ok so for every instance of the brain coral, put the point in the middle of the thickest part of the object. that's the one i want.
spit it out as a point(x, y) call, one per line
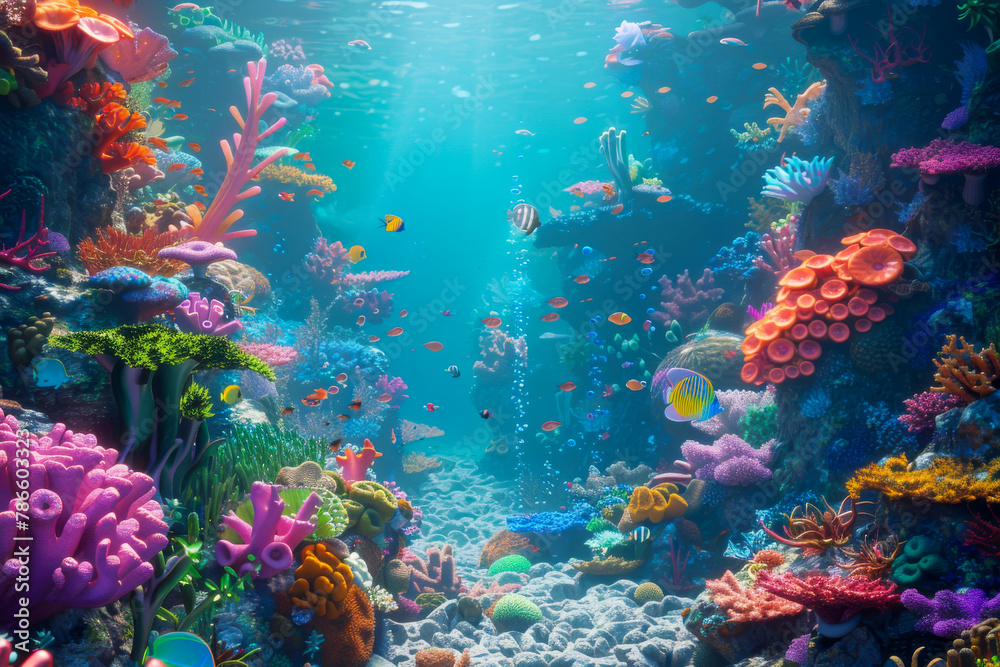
point(515, 612)
point(647, 592)
point(511, 563)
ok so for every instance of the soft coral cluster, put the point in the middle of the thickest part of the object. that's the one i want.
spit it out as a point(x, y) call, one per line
point(112, 122)
point(687, 301)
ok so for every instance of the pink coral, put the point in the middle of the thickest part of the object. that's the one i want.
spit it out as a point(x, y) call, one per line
point(686, 301)
point(833, 599)
point(270, 354)
point(201, 316)
point(93, 526)
point(748, 604)
point(587, 187)
point(366, 277)
point(327, 261)
point(26, 252)
point(394, 387)
point(356, 464)
point(735, 403)
point(778, 246)
point(923, 408)
point(140, 59)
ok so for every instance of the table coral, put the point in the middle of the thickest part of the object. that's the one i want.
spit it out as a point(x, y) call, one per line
point(94, 525)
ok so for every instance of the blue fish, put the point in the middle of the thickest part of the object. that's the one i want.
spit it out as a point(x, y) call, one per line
point(49, 373)
point(689, 396)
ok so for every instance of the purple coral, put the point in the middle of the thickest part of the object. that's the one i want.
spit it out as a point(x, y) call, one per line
point(198, 254)
point(139, 59)
point(327, 261)
point(949, 613)
point(270, 354)
point(730, 461)
point(942, 157)
point(393, 387)
point(367, 277)
point(271, 537)
point(923, 408)
point(686, 301)
point(735, 403)
point(374, 305)
point(201, 316)
point(298, 84)
point(93, 525)
point(778, 246)
point(288, 49)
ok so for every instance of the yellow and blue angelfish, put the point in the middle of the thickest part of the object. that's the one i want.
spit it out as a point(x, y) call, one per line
point(689, 396)
point(393, 223)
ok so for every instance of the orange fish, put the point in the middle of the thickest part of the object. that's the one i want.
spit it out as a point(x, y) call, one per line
point(335, 445)
point(200, 189)
point(403, 313)
point(355, 405)
point(201, 207)
point(434, 346)
point(284, 411)
point(361, 320)
point(582, 279)
point(198, 171)
point(634, 385)
point(174, 104)
point(729, 354)
point(195, 147)
point(393, 435)
point(609, 190)
point(348, 163)
point(158, 143)
point(619, 318)
point(713, 99)
point(179, 116)
point(551, 425)
point(759, 65)
point(302, 156)
point(567, 386)
point(550, 317)
point(186, 82)
point(176, 166)
point(578, 192)
point(309, 165)
point(161, 100)
point(395, 331)
point(558, 302)
point(617, 209)
point(384, 398)
point(580, 120)
point(287, 196)
point(645, 258)
point(161, 84)
point(663, 199)
point(315, 193)
point(373, 339)
point(343, 418)
point(491, 322)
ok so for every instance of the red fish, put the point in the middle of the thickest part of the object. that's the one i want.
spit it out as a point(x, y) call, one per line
point(491, 322)
point(286, 196)
point(348, 163)
point(551, 425)
point(434, 346)
point(550, 317)
point(186, 82)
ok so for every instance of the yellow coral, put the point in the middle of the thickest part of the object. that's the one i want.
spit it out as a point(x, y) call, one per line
point(293, 175)
point(610, 566)
point(659, 504)
point(945, 481)
point(416, 462)
point(321, 582)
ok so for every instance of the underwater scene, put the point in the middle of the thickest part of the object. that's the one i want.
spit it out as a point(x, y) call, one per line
point(500, 333)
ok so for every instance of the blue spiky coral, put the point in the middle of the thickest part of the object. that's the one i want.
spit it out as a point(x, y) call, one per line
point(797, 180)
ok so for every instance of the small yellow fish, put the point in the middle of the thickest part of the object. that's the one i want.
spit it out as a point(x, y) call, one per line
point(231, 395)
point(357, 253)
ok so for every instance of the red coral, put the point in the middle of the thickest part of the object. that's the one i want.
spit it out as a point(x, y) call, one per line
point(25, 252)
point(834, 599)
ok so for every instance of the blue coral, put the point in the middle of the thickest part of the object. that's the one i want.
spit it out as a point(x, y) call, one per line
point(872, 93)
point(336, 356)
point(797, 180)
point(736, 261)
point(971, 69)
point(849, 191)
point(815, 403)
point(545, 522)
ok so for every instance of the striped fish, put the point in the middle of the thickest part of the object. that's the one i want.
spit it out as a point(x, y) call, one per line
point(640, 534)
point(393, 223)
point(525, 217)
point(454, 371)
point(689, 396)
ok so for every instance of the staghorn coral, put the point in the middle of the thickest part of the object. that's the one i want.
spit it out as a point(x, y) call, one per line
point(503, 543)
point(686, 300)
point(796, 114)
point(966, 373)
point(745, 604)
point(289, 175)
point(112, 247)
point(945, 480)
point(923, 408)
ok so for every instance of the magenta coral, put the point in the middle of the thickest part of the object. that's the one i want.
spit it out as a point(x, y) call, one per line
point(923, 408)
point(221, 214)
point(778, 246)
point(327, 261)
point(950, 613)
point(366, 277)
point(356, 464)
point(26, 251)
point(140, 59)
point(92, 525)
point(686, 301)
point(271, 537)
point(730, 461)
point(942, 157)
point(199, 316)
point(833, 599)
point(270, 354)
point(899, 51)
point(394, 387)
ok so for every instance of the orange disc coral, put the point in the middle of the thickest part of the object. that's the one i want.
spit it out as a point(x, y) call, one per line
point(902, 245)
point(800, 278)
point(875, 265)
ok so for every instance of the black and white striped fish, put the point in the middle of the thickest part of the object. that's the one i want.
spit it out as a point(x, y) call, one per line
point(525, 217)
point(454, 371)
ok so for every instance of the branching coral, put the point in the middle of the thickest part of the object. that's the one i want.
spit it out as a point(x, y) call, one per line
point(796, 114)
point(113, 247)
point(417, 462)
point(965, 373)
point(833, 599)
point(923, 408)
point(687, 301)
point(945, 480)
point(748, 604)
point(949, 613)
point(26, 252)
point(814, 531)
point(730, 461)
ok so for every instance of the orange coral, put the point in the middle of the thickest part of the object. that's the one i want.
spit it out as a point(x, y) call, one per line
point(122, 155)
point(350, 639)
point(769, 558)
point(656, 505)
point(322, 582)
point(503, 544)
point(113, 247)
point(748, 604)
point(875, 265)
point(91, 97)
point(294, 176)
point(114, 122)
point(441, 657)
point(965, 373)
point(945, 480)
point(796, 114)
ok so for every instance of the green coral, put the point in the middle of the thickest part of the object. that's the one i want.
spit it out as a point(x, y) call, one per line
point(760, 424)
point(428, 602)
point(511, 563)
point(375, 496)
point(919, 562)
point(150, 346)
point(647, 592)
point(599, 523)
point(515, 612)
point(196, 403)
point(654, 182)
point(603, 542)
point(331, 518)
